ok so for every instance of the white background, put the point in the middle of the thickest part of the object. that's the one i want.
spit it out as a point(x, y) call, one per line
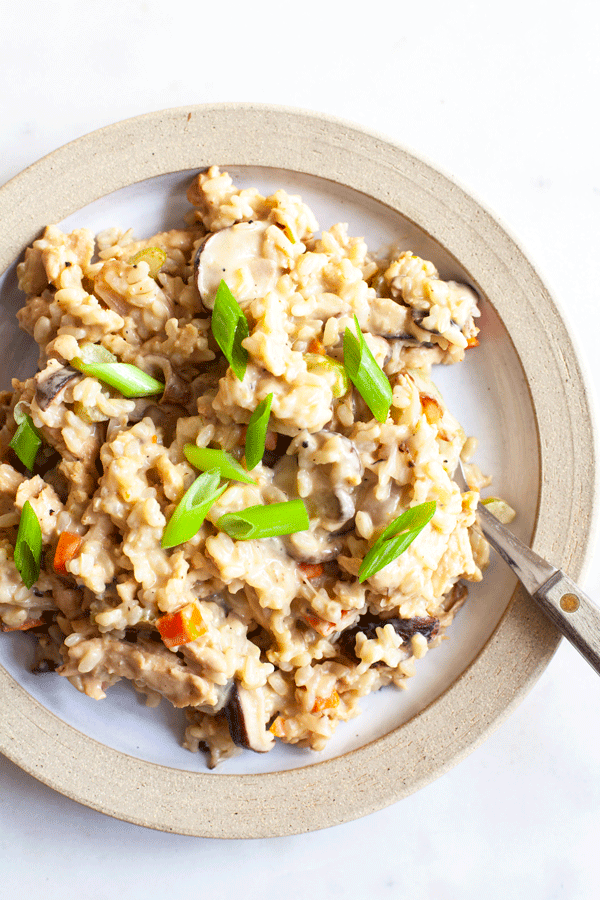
point(504, 97)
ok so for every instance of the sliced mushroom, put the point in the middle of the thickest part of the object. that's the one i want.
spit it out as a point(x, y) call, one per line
point(222, 254)
point(325, 470)
point(368, 624)
point(244, 714)
point(164, 416)
point(389, 319)
point(51, 381)
point(176, 389)
point(330, 462)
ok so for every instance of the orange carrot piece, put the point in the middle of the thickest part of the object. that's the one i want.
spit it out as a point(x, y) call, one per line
point(28, 623)
point(277, 728)
point(472, 342)
point(311, 570)
point(432, 409)
point(316, 346)
point(66, 550)
point(181, 627)
point(319, 625)
point(330, 702)
point(270, 440)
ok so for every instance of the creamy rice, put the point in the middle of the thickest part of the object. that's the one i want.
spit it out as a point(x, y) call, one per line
point(289, 639)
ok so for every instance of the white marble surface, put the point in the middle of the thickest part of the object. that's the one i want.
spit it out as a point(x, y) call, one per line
point(504, 98)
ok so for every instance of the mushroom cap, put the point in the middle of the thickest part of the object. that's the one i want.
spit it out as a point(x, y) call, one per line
point(232, 254)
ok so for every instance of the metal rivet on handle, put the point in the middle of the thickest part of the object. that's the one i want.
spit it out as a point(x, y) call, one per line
point(569, 603)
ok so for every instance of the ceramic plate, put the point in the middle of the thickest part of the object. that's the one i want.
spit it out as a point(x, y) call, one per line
point(520, 392)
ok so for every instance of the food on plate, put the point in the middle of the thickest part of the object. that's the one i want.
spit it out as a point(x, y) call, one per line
point(230, 479)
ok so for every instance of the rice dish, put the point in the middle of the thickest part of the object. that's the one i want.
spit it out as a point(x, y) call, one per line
point(281, 636)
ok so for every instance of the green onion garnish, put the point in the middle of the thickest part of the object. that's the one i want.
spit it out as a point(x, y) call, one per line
point(316, 362)
point(230, 327)
point(91, 354)
point(190, 512)
point(265, 521)
point(28, 547)
point(257, 432)
point(365, 374)
point(394, 540)
point(205, 458)
point(26, 441)
point(125, 378)
point(156, 257)
point(97, 361)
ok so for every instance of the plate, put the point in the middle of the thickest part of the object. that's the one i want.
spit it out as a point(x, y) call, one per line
point(521, 393)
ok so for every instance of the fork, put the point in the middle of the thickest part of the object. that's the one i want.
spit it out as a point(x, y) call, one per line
point(565, 604)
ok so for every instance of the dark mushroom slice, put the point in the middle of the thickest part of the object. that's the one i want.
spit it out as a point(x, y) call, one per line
point(389, 319)
point(176, 389)
point(222, 253)
point(246, 727)
point(49, 384)
point(335, 483)
point(331, 505)
point(164, 415)
point(368, 624)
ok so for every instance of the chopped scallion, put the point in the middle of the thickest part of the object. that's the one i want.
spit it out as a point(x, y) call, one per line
point(317, 363)
point(229, 327)
point(190, 512)
point(395, 539)
point(366, 375)
point(126, 378)
point(265, 521)
point(156, 257)
point(26, 441)
point(28, 547)
point(205, 458)
point(257, 432)
point(91, 354)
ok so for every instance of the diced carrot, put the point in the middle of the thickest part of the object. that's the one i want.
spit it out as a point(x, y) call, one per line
point(277, 728)
point(270, 440)
point(316, 346)
point(181, 627)
point(472, 342)
point(330, 702)
point(432, 409)
point(28, 623)
point(66, 550)
point(319, 625)
point(311, 570)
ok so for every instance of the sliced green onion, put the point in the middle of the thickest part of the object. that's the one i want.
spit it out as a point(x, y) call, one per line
point(265, 521)
point(190, 512)
point(125, 378)
point(156, 257)
point(19, 414)
point(315, 363)
point(256, 434)
point(129, 380)
point(394, 540)
point(28, 547)
point(230, 327)
point(26, 441)
point(365, 374)
point(91, 354)
point(205, 458)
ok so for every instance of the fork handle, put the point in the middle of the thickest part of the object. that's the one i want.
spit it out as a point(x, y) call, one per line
point(574, 615)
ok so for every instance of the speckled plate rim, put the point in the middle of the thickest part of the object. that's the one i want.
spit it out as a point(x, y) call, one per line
point(394, 766)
